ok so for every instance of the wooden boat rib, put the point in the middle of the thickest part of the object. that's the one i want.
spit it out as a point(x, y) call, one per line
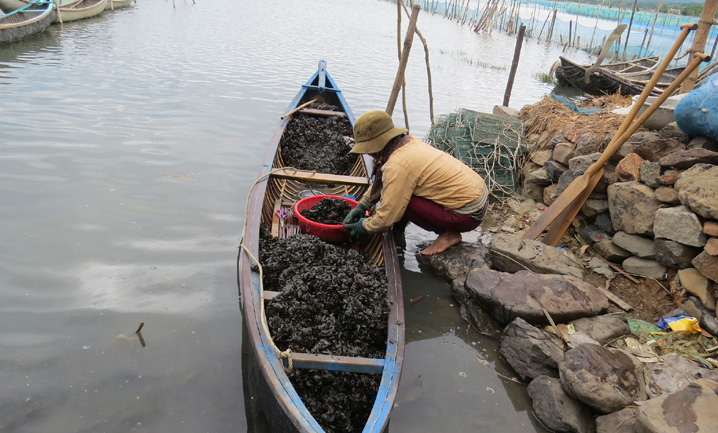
point(30, 19)
point(278, 188)
point(79, 10)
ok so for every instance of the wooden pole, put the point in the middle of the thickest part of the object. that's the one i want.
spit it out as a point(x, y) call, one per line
point(658, 10)
point(594, 27)
point(404, 59)
point(514, 65)
point(699, 41)
point(578, 9)
point(570, 27)
point(630, 24)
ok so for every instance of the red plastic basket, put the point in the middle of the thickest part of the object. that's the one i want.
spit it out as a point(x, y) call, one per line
point(327, 232)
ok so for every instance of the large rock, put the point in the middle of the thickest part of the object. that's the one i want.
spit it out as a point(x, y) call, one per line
point(563, 152)
point(637, 245)
point(530, 351)
point(668, 195)
point(650, 172)
point(673, 373)
point(539, 177)
point(622, 421)
point(457, 261)
point(587, 143)
point(480, 319)
point(654, 150)
point(673, 131)
point(698, 188)
point(629, 168)
point(690, 410)
point(632, 206)
point(605, 379)
point(556, 409)
point(707, 265)
point(554, 170)
point(603, 328)
point(525, 294)
point(644, 267)
point(679, 224)
point(610, 251)
point(510, 254)
point(697, 284)
point(674, 254)
point(688, 158)
point(703, 143)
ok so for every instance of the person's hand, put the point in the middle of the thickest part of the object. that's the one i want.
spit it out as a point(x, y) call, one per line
point(356, 230)
point(355, 214)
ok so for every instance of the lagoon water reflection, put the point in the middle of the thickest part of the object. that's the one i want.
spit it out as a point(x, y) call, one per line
point(128, 144)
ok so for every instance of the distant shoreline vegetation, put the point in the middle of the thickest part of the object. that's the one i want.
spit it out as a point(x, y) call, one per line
point(674, 7)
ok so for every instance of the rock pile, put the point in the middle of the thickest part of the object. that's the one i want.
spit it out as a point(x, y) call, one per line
point(655, 210)
point(584, 382)
point(654, 214)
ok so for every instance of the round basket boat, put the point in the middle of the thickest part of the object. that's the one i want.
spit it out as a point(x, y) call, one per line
point(333, 233)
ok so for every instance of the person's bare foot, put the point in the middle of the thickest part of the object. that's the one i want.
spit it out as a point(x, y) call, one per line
point(444, 241)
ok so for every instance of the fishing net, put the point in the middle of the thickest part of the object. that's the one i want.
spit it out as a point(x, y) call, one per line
point(492, 145)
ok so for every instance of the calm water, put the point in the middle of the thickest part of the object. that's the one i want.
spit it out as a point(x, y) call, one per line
point(128, 144)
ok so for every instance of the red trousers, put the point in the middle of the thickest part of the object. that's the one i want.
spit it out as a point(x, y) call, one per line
point(436, 218)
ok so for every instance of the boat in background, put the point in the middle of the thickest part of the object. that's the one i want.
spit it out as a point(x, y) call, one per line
point(115, 4)
point(28, 20)
point(606, 79)
point(272, 196)
point(79, 10)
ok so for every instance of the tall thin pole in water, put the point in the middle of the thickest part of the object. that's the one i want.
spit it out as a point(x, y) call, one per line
point(408, 39)
point(514, 65)
point(595, 26)
point(630, 24)
point(658, 10)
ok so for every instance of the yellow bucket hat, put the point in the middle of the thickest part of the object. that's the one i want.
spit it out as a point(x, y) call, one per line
point(373, 130)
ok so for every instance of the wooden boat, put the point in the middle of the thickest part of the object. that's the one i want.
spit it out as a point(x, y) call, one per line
point(275, 191)
point(28, 20)
point(608, 79)
point(79, 10)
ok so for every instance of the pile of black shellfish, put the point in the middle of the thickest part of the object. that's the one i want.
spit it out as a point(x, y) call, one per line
point(331, 302)
point(317, 142)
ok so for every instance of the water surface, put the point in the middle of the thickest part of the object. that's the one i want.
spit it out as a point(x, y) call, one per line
point(128, 144)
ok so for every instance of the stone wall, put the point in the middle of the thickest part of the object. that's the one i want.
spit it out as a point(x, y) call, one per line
point(655, 208)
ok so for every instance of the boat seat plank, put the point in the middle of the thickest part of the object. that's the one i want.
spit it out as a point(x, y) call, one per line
point(317, 112)
point(311, 176)
point(308, 361)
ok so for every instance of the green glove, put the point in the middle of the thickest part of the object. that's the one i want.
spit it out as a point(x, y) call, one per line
point(356, 213)
point(356, 230)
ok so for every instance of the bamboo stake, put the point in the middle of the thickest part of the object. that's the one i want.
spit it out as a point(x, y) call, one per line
point(514, 65)
point(428, 68)
point(404, 59)
point(399, 4)
point(595, 26)
point(658, 10)
point(578, 9)
point(630, 24)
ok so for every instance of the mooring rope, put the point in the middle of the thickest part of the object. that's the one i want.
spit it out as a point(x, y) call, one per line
point(286, 354)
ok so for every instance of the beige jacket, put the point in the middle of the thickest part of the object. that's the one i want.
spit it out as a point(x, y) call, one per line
point(424, 171)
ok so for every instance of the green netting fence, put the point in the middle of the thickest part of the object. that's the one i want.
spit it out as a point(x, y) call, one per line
point(492, 145)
